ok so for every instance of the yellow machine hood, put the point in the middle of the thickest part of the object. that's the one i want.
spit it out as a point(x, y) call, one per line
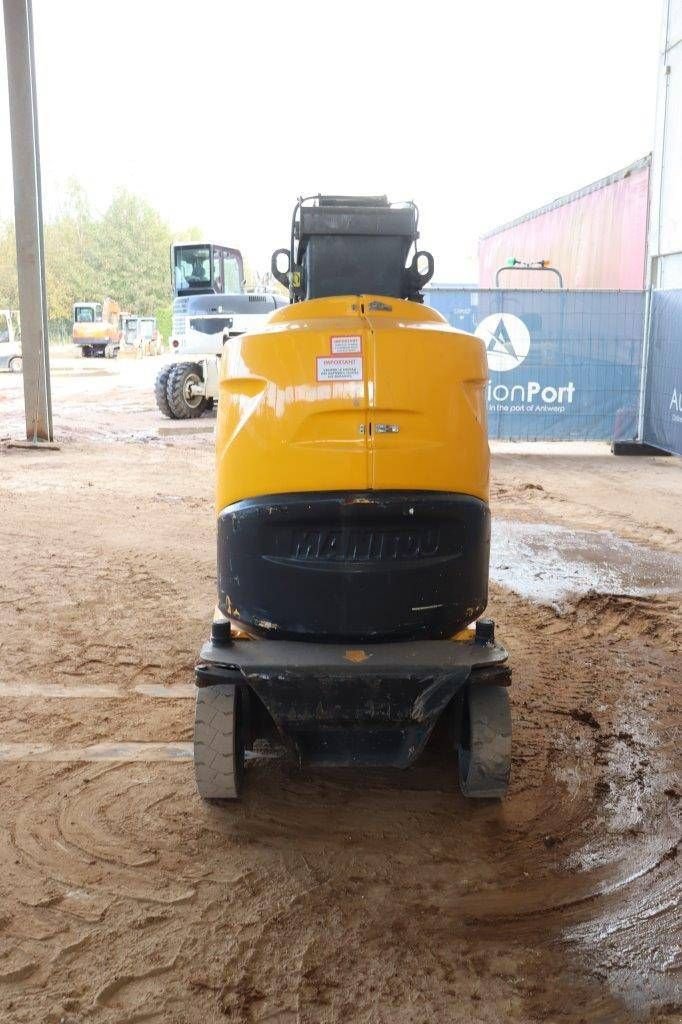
point(352, 393)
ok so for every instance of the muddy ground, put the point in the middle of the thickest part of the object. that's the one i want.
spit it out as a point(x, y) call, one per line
point(377, 898)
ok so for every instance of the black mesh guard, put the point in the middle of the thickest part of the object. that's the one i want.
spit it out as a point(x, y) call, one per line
point(353, 247)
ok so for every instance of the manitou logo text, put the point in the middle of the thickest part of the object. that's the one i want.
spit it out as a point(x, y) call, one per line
point(363, 545)
point(507, 340)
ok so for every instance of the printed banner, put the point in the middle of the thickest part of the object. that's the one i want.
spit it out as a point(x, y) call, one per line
point(563, 365)
point(663, 403)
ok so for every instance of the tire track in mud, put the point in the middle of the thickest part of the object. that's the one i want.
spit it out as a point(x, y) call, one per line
point(323, 898)
point(78, 859)
point(565, 860)
point(371, 896)
point(326, 891)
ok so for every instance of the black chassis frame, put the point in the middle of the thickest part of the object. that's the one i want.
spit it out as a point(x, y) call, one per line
point(346, 705)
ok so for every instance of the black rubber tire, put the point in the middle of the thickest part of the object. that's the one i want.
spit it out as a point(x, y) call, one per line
point(210, 404)
point(86, 352)
point(16, 364)
point(484, 745)
point(176, 391)
point(218, 743)
point(161, 391)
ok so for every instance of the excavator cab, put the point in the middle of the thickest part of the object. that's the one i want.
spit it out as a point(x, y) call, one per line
point(204, 268)
point(353, 523)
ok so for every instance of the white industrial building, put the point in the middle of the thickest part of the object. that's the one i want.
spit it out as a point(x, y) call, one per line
point(665, 216)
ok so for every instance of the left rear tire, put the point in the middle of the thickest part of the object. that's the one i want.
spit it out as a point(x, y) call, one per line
point(161, 391)
point(218, 743)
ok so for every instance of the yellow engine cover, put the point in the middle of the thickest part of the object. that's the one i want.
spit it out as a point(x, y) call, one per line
point(352, 393)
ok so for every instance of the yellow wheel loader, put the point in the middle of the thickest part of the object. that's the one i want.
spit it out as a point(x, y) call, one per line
point(353, 524)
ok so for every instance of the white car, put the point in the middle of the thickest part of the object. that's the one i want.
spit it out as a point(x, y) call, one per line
point(10, 341)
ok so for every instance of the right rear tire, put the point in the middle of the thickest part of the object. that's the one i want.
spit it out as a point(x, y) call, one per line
point(218, 744)
point(484, 745)
point(161, 391)
point(184, 405)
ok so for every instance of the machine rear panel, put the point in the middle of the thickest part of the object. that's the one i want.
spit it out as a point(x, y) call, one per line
point(371, 521)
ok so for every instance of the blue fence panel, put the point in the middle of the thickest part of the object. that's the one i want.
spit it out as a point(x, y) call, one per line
point(663, 401)
point(564, 365)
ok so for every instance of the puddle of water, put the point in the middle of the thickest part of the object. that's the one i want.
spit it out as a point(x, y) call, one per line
point(552, 564)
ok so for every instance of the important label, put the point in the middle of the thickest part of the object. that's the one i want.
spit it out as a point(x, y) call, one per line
point(346, 344)
point(339, 368)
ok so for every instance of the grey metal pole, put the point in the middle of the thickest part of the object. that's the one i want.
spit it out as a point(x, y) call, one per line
point(28, 218)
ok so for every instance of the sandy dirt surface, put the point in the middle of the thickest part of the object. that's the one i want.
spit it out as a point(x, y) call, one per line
point(378, 898)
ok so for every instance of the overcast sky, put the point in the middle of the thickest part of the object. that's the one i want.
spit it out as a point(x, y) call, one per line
point(221, 113)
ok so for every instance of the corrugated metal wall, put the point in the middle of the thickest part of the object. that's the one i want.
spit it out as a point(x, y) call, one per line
point(665, 230)
point(596, 239)
point(661, 414)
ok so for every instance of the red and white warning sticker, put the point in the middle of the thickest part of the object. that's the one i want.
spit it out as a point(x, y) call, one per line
point(339, 368)
point(346, 344)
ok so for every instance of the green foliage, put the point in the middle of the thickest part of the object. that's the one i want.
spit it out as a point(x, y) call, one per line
point(164, 318)
point(9, 288)
point(69, 255)
point(59, 331)
point(131, 254)
point(123, 255)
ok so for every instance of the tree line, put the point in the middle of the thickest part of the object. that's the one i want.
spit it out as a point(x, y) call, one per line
point(123, 254)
